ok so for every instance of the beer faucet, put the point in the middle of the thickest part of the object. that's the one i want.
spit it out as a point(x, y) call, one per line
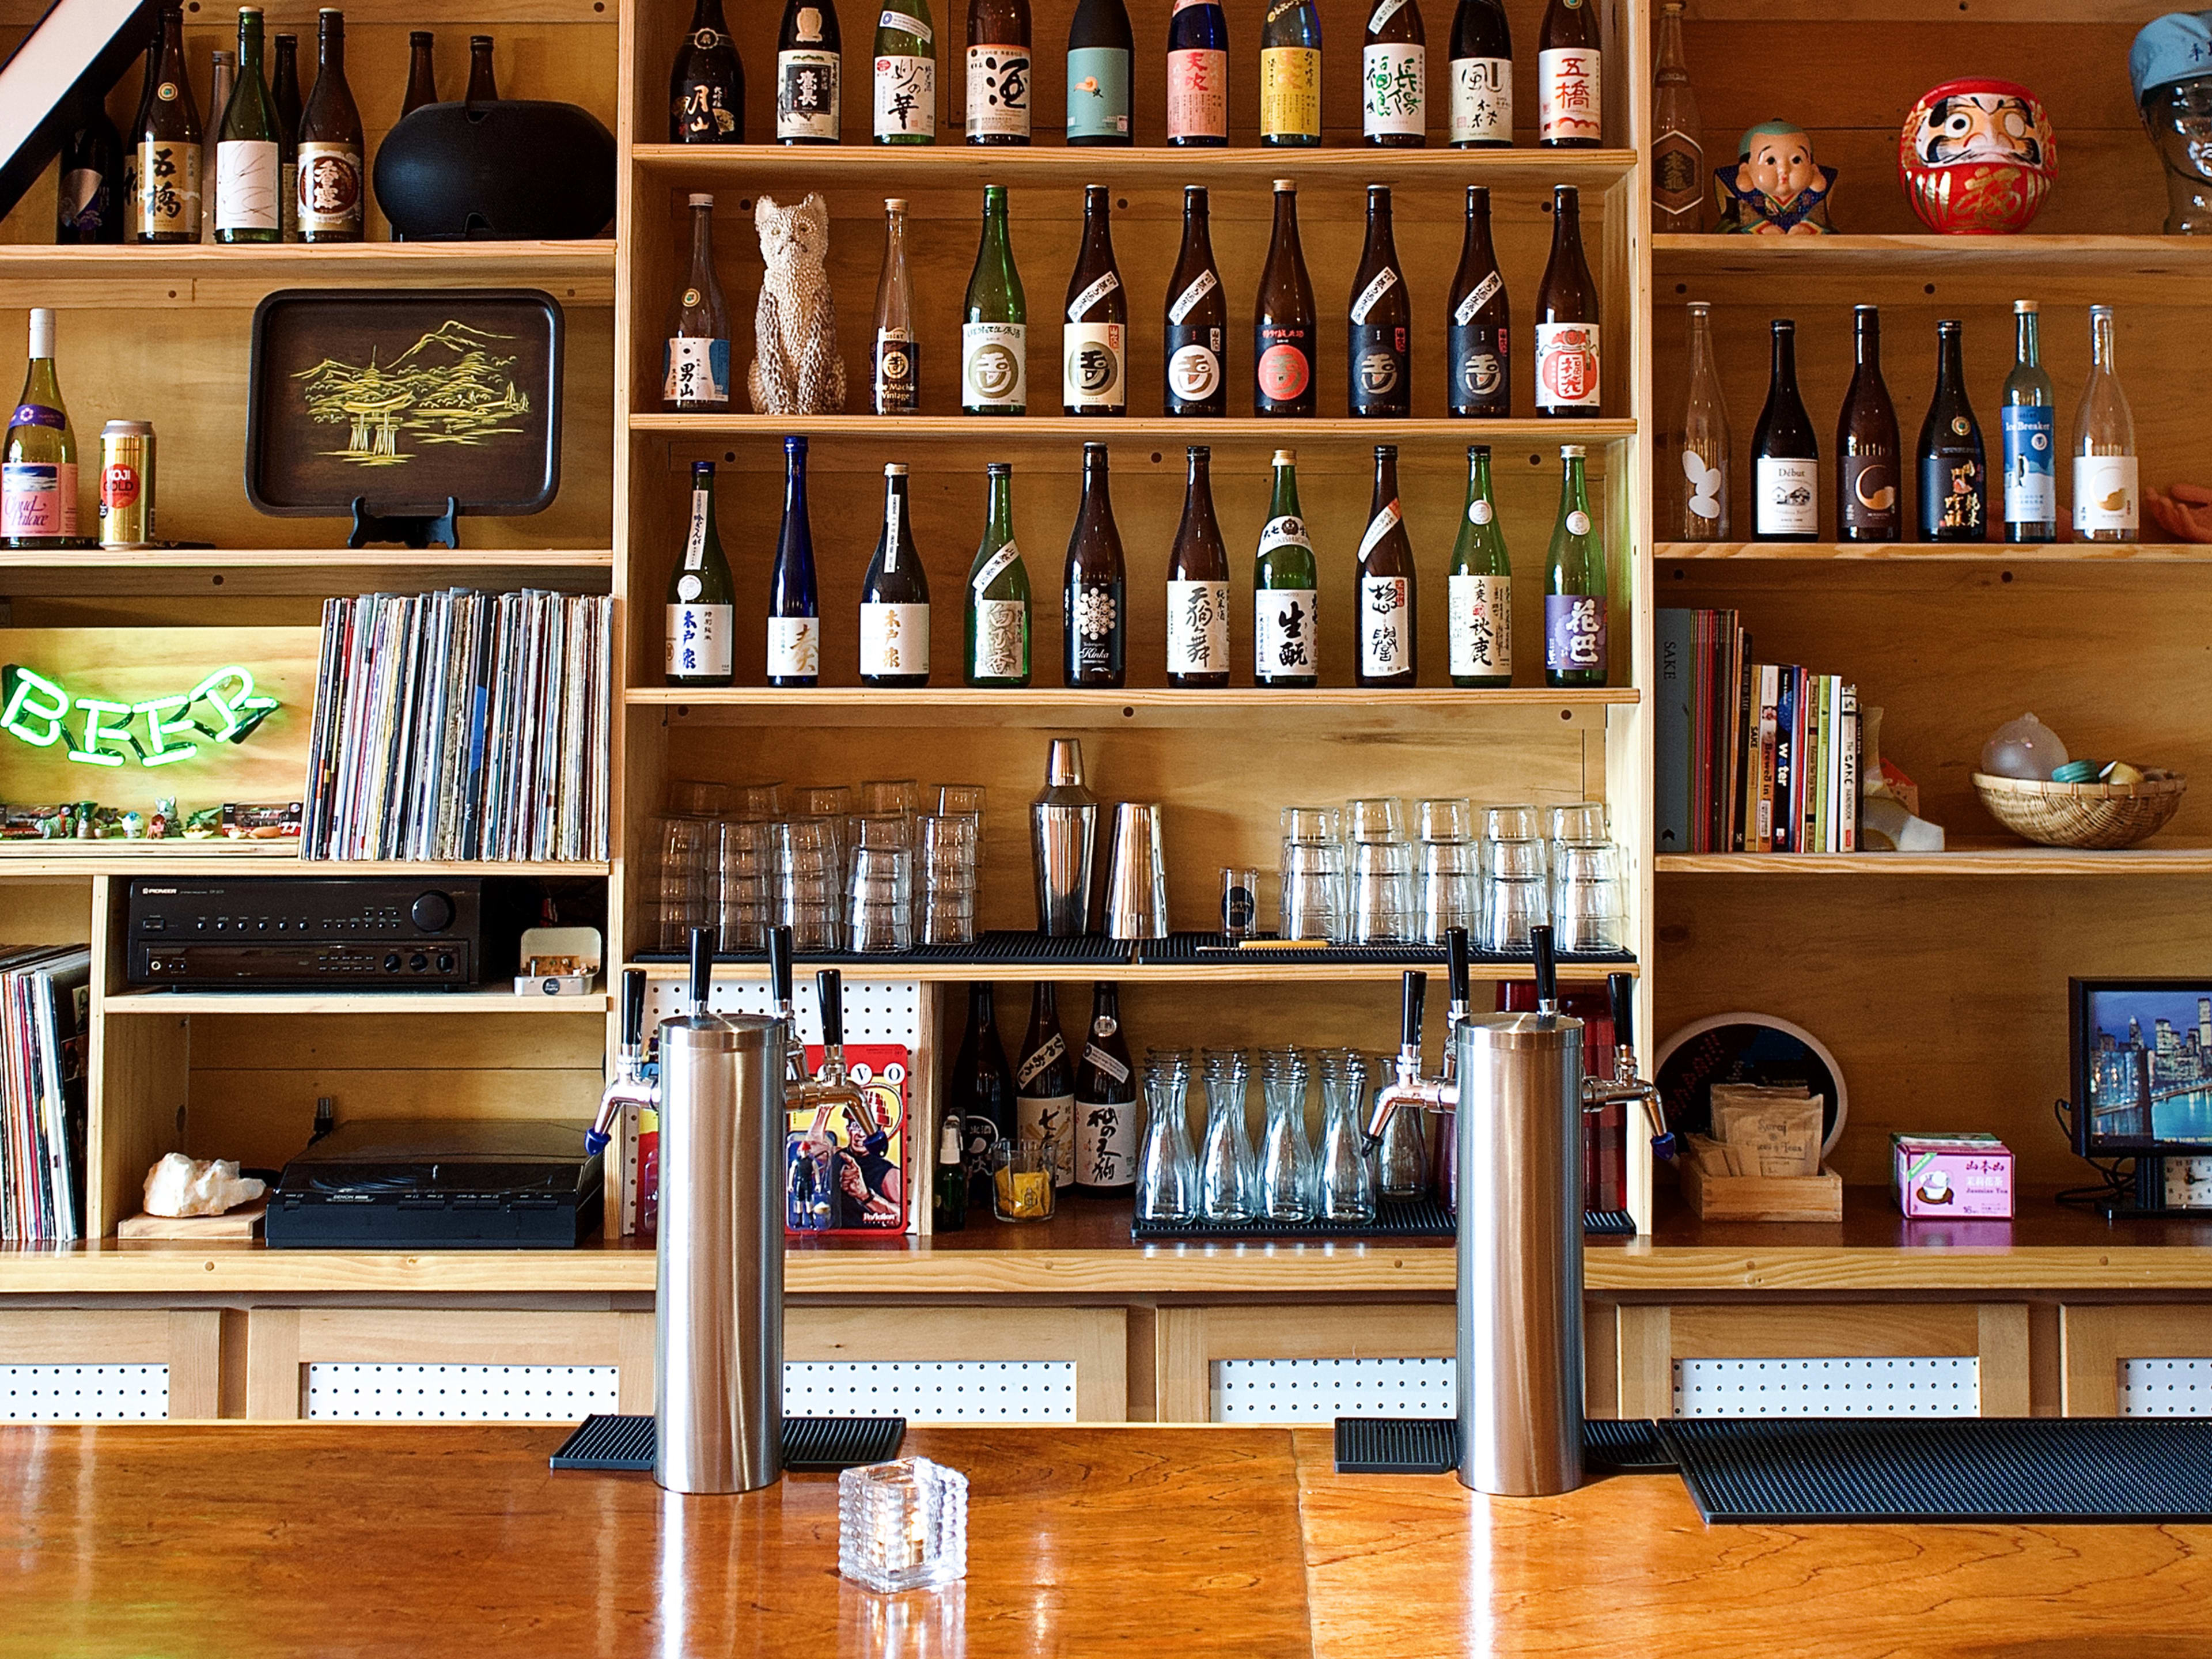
point(829, 1087)
point(1624, 1085)
point(1461, 1003)
point(631, 1086)
point(779, 978)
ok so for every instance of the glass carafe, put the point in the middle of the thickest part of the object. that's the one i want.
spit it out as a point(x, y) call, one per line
point(1289, 1189)
point(1228, 1175)
point(1403, 1160)
point(1167, 1169)
point(1347, 1173)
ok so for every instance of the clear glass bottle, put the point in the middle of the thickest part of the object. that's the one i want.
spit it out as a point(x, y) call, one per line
point(2107, 498)
point(1228, 1174)
point(2028, 426)
point(1167, 1168)
point(1290, 1186)
point(1347, 1170)
point(1678, 187)
point(1706, 441)
point(38, 475)
point(222, 80)
point(696, 361)
point(897, 384)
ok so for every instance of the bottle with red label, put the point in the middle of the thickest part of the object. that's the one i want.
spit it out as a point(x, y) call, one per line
point(1198, 73)
point(1570, 92)
point(37, 467)
point(1284, 322)
point(1566, 317)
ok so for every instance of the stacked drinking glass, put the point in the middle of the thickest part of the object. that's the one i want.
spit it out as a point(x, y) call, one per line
point(1379, 892)
point(1589, 900)
point(1517, 865)
point(950, 846)
point(1312, 874)
point(1449, 877)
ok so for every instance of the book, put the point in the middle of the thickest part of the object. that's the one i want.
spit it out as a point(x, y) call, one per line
point(1677, 640)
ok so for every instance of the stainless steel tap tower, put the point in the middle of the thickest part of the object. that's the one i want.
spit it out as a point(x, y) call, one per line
point(1517, 1092)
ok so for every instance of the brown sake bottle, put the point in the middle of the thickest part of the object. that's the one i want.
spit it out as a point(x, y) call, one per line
point(1095, 337)
point(1385, 624)
point(1566, 318)
point(421, 73)
point(1196, 331)
point(1198, 585)
point(1000, 72)
point(1869, 471)
point(1570, 95)
point(1095, 625)
point(1378, 342)
point(332, 183)
point(1282, 324)
point(1480, 365)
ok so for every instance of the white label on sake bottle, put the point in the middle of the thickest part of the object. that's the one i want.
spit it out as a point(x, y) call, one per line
point(1482, 101)
point(1285, 634)
point(1393, 90)
point(1198, 628)
point(1481, 626)
point(994, 366)
point(1568, 97)
point(1001, 626)
point(905, 97)
point(1094, 366)
point(1385, 632)
point(248, 186)
point(794, 647)
point(2105, 493)
point(1785, 496)
point(700, 636)
point(894, 639)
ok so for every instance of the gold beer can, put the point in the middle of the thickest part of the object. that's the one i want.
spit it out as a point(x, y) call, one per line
point(126, 484)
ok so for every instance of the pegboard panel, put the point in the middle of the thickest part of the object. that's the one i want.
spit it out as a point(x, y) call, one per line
point(876, 1011)
point(932, 1391)
point(80, 1394)
point(415, 1394)
point(2165, 1388)
point(1947, 1386)
point(1321, 1390)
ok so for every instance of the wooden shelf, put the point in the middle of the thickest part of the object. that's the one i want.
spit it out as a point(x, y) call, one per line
point(2011, 859)
point(315, 571)
point(1269, 967)
point(349, 1002)
point(156, 858)
point(2069, 265)
point(998, 433)
point(1128, 709)
point(100, 278)
point(1903, 553)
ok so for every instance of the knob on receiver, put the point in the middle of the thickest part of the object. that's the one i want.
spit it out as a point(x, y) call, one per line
point(431, 912)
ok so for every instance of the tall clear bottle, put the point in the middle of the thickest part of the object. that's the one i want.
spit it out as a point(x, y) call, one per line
point(222, 78)
point(1105, 1103)
point(1094, 355)
point(1198, 584)
point(1290, 73)
point(999, 71)
point(1785, 456)
point(794, 608)
point(994, 331)
point(1378, 342)
point(810, 74)
point(1198, 73)
point(1678, 186)
point(1285, 589)
point(1479, 587)
point(1706, 453)
point(895, 597)
point(1869, 464)
point(1196, 329)
point(1954, 469)
point(694, 364)
point(333, 183)
point(905, 83)
point(997, 633)
point(1393, 76)
point(1566, 317)
point(2107, 501)
point(1095, 599)
point(1575, 647)
point(2028, 426)
point(1389, 634)
point(895, 383)
point(248, 192)
point(1283, 321)
point(1481, 113)
point(706, 83)
point(37, 464)
point(168, 139)
point(1101, 53)
point(1477, 341)
point(701, 599)
point(284, 94)
point(1570, 62)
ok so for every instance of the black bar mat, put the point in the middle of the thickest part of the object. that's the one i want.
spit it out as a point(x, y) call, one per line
point(1767, 1469)
point(1608, 1224)
point(1423, 1218)
point(1625, 1446)
point(1000, 949)
point(1185, 949)
point(1429, 1446)
point(606, 1441)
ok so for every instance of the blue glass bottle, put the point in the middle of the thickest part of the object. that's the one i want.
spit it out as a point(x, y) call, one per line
point(1198, 75)
point(795, 616)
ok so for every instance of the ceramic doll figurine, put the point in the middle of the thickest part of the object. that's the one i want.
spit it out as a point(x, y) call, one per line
point(1976, 158)
point(2170, 66)
point(1775, 188)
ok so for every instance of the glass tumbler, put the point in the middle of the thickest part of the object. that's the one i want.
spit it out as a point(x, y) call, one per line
point(1375, 817)
point(682, 863)
point(890, 798)
point(1447, 890)
point(1516, 895)
point(1379, 907)
point(1347, 1173)
point(1584, 821)
point(1312, 902)
point(880, 915)
point(1167, 1169)
point(810, 888)
point(1448, 817)
point(1289, 1189)
point(1589, 901)
point(1021, 1181)
point(1513, 823)
point(1228, 1181)
point(1312, 823)
point(947, 848)
point(743, 890)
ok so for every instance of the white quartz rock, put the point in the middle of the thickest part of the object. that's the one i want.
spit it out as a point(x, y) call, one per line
point(181, 1186)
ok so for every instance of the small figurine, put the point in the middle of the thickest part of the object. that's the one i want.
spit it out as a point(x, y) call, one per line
point(1976, 158)
point(796, 368)
point(1775, 188)
point(164, 817)
point(80, 815)
point(2170, 66)
point(134, 826)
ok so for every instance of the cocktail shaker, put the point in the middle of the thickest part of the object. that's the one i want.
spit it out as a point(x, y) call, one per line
point(1136, 874)
point(1063, 830)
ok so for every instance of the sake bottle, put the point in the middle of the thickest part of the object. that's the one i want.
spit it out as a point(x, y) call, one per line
point(695, 360)
point(168, 139)
point(333, 196)
point(1195, 331)
point(997, 632)
point(906, 74)
point(1286, 596)
point(1394, 86)
point(794, 609)
point(1094, 337)
point(895, 382)
point(2107, 496)
point(1283, 320)
point(1388, 635)
point(1198, 584)
point(1290, 73)
point(895, 597)
point(1095, 618)
point(1481, 115)
point(1101, 50)
point(1575, 653)
point(998, 72)
point(1477, 338)
point(1379, 343)
point(1479, 587)
point(1198, 73)
point(809, 73)
point(248, 195)
point(994, 331)
point(701, 599)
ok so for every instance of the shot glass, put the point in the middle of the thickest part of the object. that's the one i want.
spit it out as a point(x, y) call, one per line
point(1022, 1181)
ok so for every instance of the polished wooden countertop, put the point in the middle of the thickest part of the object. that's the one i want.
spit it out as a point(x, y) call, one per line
point(1085, 1250)
point(425, 1541)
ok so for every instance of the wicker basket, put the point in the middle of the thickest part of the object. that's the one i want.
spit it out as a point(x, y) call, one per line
point(2092, 816)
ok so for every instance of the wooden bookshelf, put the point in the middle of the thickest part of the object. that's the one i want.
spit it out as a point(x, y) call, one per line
point(2015, 859)
point(1905, 554)
point(217, 572)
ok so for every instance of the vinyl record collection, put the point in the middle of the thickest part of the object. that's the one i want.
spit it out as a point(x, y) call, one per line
point(460, 726)
point(45, 991)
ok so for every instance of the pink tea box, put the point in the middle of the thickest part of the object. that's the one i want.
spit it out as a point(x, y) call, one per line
point(1950, 1175)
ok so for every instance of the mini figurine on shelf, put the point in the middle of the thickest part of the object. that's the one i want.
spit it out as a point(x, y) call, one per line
point(133, 825)
point(1775, 188)
point(1976, 158)
point(2170, 66)
point(796, 368)
point(165, 818)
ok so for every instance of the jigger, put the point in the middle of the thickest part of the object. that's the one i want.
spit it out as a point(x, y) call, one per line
point(1136, 874)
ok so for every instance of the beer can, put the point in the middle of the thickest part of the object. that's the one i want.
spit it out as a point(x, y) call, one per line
point(126, 484)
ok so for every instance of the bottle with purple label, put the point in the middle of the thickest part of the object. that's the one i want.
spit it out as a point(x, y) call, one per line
point(37, 476)
point(1574, 585)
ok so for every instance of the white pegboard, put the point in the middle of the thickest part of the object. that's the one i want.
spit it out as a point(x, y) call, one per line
point(876, 1011)
point(415, 1394)
point(1938, 1387)
point(2165, 1388)
point(932, 1391)
point(1321, 1390)
point(82, 1394)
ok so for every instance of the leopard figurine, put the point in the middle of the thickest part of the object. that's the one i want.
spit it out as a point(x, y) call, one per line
point(796, 369)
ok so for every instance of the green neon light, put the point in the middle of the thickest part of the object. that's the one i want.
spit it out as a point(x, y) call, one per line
point(223, 708)
point(88, 749)
point(160, 728)
point(23, 687)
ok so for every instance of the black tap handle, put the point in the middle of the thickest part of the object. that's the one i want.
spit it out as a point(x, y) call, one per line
point(1409, 1018)
point(633, 1008)
point(1548, 967)
point(703, 968)
point(778, 965)
point(1621, 987)
point(830, 991)
point(1456, 951)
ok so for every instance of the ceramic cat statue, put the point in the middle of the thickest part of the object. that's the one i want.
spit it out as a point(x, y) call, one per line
point(796, 369)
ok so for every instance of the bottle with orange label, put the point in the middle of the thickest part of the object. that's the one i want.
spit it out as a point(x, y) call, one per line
point(1283, 322)
point(1566, 317)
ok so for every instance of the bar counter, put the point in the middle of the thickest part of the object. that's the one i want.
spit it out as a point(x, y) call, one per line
point(430, 1540)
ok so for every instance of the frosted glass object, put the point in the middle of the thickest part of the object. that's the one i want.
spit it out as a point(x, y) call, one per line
point(903, 1526)
point(2025, 748)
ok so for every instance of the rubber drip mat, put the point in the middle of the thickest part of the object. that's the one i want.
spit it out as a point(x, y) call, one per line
point(1216, 949)
point(827, 1443)
point(1429, 1446)
point(1625, 1446)
point(1608, 1224)
point(1423, 1218)
point(2148, 1470)
point(996, 950)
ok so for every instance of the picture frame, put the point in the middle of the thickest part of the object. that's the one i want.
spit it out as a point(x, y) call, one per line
point(2144, 1107)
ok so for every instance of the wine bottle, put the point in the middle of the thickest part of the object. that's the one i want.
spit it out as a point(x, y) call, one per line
point(949, 1192)
point(1706, 445)
point(1869, 464)
point(1569, 103)
point(1105, 1104)
point(1574, 586)
point(1095, 620)
point(168, 139)
point(1198, 73)
point(1379, 341)
point(895, 597)
point(1196, 330)
point(2106, 498)
point(995, 333)
point(284, 94)
point(999, 71)
point(2028, 429)
point(1678, 186)
point(37, 467)
point(331, 195)
point(980, 1094)
point(1094, 376)
point(1044, 1085)
point(1393, 76)
point(906, 74)
point(421, 73)
point(1198, 584)
point(1480, 589)
point(222, 77)
point(1481, 113)
point(1290, 73)
point(897, 380)
point(703, 623)
point(706, 86)
point(809, 73)
point(247, 208)
point(1388, 635)
point(483, 83)
point(1785, 457)
point(1953, 477)
point(1479, 359)
point(133, 220)
point(1566, 317)
point(794, 611)
point(1283, 321)
point(997, 652)
point(1285, 589)
point(90, 202)
point(694, 374)
point(1101, 52)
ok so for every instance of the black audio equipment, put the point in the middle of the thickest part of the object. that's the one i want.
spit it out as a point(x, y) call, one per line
point(442, 1184)
point(310, 933)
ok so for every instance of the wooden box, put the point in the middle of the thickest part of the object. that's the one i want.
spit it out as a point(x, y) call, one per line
point(1763, 1198)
